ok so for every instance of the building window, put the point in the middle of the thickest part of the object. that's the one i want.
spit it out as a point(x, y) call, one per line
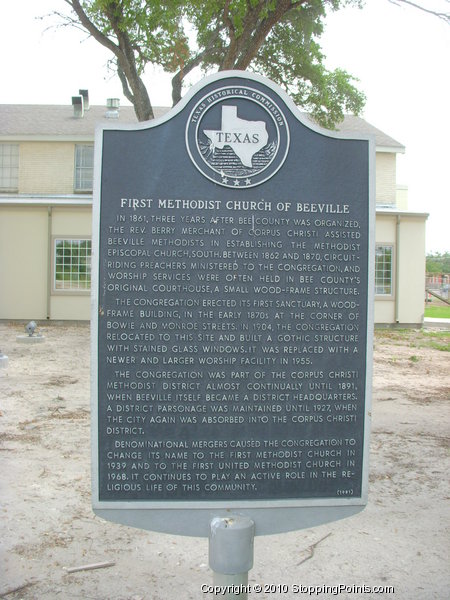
point(84, 167)
point(72, 262)
point(9, 167)
point(383, 270)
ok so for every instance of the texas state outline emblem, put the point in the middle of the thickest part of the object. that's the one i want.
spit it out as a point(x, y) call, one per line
point(237, 136)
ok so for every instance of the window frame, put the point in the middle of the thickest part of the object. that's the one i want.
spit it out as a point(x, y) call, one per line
point(71, 291)
point(6, 171)
point(80, 169)
point(378, 294)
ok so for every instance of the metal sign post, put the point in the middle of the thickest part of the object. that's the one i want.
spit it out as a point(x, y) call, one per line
point(232, 316)
point(231, 554)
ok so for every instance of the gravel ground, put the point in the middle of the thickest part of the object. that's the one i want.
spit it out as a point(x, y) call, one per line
point(400, 540)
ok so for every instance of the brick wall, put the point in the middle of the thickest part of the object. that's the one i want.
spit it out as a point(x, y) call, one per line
point(46, 167)
point(386, 178)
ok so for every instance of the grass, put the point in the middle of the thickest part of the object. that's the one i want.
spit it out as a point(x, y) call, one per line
point(414, 338)
point(438, 312)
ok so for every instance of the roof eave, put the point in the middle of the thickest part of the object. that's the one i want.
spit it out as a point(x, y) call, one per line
point(395, 212)
point(391, 149)
point(47, 138)
point(90, 138)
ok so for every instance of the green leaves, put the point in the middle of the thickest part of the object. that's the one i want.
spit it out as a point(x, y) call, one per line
point(152, 30)
point(278, 38)
point(438, 263)
point(329, 96)
point(293, 58)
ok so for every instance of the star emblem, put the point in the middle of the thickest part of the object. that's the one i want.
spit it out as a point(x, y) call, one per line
point(248, 181)
point(236, 183)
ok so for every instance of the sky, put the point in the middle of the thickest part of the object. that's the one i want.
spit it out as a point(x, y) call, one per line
point(399, 55)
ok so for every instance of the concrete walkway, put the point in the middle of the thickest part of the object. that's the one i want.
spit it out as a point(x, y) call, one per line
point(430, 323)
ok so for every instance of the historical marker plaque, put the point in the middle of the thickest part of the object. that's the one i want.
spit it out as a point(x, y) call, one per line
point(231, 345)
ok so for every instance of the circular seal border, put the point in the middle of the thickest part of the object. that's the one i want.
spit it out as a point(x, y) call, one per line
point(193, 123)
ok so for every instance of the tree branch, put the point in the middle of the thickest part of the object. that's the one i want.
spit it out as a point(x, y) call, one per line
point(440, 15)
point(91, 28)
point(132, 84)
point(256, 38)
point(177, 79)
point(230, 57)
point(125, 87)
point(311, 549)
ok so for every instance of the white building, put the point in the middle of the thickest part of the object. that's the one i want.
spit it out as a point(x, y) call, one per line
point(46, 173)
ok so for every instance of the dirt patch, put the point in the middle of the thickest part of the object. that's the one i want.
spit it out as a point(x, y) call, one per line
point(61, 381)
point(400, 540)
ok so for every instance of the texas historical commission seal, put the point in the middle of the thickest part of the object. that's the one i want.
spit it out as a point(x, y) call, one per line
point(237, 136)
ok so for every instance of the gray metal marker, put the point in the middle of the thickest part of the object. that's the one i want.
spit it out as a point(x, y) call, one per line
point(301, 207)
